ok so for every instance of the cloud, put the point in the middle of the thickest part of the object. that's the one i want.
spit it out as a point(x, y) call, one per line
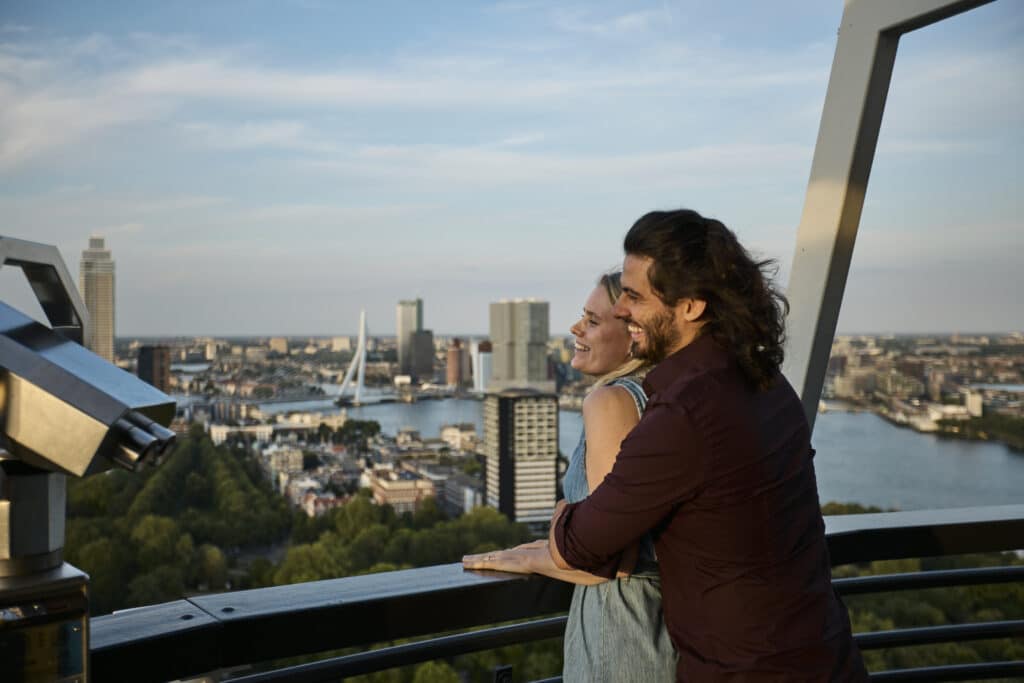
point(583, 22)
point(32, 124)
point(284, 134)
point(55, 94)
point(502, 166)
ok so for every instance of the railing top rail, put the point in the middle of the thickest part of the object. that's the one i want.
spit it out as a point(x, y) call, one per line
point(226, 629)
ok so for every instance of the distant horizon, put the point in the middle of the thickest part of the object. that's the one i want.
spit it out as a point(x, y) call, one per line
point(128, 337)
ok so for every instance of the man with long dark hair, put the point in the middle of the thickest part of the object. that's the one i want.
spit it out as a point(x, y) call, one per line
point(719, 467)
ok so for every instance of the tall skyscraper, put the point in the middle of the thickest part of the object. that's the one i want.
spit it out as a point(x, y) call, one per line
point(519, 335)
point(96, 283)
point(481, 356)
point(521, 450)
point(455, 364)
point(422, 352)
point(409, 319)
point(154, 366)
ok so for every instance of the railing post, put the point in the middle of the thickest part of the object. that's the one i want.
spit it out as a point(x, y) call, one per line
point(503, 674)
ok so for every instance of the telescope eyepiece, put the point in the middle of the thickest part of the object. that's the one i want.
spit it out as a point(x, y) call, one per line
point(139, 440)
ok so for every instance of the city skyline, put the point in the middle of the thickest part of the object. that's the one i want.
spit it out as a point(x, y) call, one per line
point(318, 160)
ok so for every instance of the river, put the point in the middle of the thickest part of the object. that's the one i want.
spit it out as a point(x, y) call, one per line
point(860, 457)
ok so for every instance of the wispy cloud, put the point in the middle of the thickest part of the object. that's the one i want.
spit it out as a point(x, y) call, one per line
point(580, 21)
point(52, 98)
point(284, 134)
point(500, 166)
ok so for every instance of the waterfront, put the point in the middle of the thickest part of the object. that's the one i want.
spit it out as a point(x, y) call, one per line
point(860, 457)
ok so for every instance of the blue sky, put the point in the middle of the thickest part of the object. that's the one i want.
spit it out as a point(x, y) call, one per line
point(274, 167)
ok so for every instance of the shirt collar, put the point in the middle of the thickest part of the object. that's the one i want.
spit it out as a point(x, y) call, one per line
point(702, 352)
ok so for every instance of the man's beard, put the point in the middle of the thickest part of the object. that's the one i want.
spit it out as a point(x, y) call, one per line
point(660, 334)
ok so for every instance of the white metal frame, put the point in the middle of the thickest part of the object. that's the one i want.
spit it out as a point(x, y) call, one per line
point(861, 70)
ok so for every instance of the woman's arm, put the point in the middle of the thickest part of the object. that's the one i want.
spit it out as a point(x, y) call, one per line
point(532, 558)
point(529, 558)
point(609, 415)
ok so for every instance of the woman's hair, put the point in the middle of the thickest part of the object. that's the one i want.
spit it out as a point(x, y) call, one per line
point(612, 285)
point(700, 258)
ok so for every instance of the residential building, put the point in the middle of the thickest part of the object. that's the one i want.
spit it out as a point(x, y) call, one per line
point(401, 489)
point(460, 437)
point(462, 494)
point(481, 356)
point(521, 450)
point(154, 366)
point(278, 345)
point(219, 433)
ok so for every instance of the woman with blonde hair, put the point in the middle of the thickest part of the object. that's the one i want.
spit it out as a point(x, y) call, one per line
point(615, 631)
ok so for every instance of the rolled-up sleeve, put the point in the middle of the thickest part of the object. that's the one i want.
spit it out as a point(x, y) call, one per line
point(659, 466)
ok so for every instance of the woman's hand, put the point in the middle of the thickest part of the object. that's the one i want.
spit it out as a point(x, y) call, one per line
point(520, 560)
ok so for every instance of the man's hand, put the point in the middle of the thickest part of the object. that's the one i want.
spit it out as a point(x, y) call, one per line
point(556, 556)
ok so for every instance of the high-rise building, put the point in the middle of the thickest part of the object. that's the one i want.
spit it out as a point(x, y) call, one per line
point(422, 355)
point(521, 448)
point(154, 366)
point(519, 335)
point(481, 357)
point(409, 320)
point(96, 283)
point(455, 370)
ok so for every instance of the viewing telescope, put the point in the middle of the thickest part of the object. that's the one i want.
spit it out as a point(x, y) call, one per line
point(63, 410)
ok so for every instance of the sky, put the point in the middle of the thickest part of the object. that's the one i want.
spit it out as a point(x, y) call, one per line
point(275, 167)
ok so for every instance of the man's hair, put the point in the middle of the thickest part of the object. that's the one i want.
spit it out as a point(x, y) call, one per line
point(700, 258)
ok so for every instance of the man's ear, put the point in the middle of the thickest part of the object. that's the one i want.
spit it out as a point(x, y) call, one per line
point(692, 309)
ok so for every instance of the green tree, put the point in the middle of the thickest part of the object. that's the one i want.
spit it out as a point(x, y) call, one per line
point(109, 566)
point(435, 672)
point(156, 540)
point(311, 562)
point(212, 567)
point(161, 584)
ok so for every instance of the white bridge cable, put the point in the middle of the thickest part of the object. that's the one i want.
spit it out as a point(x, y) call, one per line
point(358, 362)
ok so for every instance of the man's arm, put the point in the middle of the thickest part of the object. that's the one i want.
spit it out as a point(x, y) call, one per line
point(660, 466)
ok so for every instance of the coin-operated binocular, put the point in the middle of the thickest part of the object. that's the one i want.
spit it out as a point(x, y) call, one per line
point(63, 410)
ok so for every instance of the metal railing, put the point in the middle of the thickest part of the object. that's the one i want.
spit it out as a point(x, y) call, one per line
point(206, 633)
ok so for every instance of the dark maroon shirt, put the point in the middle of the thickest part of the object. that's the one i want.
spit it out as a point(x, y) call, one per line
point(723, 476)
